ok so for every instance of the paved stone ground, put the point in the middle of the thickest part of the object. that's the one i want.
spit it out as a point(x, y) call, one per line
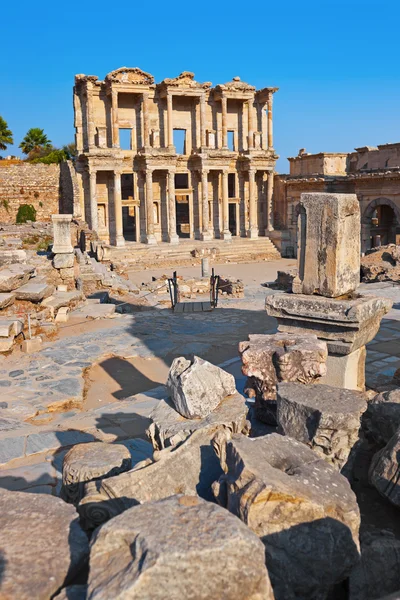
point(40, 407)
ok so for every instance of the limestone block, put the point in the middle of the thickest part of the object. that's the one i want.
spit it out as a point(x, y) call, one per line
point(64, 261)
point(62, 298)
point(197, 387)
point(382, 419)
point(154, 544)
point(189, 468)
point(384, 471)
point(34, 292)
point(10, 327)
point(12, 256)
point(89, 462)
point(345, 325)
point(62, 234)
point(346, 371)
point(41, 543)
point(6, 299)
point(62, 315)
point(325, 418)
point(329, 230)
point(300, 506)
point(68, 273)
point(268, 359)
point(14, 276)
point(169, 429)
point(6, 344)
point(378, 572)
point(32, 345)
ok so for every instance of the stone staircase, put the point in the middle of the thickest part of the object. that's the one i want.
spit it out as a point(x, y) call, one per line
point(136, 256)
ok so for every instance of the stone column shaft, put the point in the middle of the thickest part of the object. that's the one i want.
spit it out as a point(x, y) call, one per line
point(119, 230)
point(114, 118)
point(252, 233)
point(169, 121)
point(172, 235)
point(150, 238)
point(205, 234)
point(226, 234)
point(202, 121)
point(224, 106)
point(270, 209)
point(90, 115)
point(250, 124)
point(270, 131)
point(94, 219)
point(145, 114)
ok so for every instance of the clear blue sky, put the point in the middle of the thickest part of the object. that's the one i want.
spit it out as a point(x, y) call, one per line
point(336, 62)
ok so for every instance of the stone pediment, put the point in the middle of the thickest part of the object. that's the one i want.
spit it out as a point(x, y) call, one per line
point(185, 80)
point(236, 85)
point(128, 75)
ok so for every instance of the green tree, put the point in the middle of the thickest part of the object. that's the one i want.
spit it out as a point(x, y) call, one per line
point(6, 136)
point(70, 150)
point(34, 141)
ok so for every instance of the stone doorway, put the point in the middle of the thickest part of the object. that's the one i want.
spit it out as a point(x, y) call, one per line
point(381, 224)
point(183, 225)
point(129, 223)
point(233, 218)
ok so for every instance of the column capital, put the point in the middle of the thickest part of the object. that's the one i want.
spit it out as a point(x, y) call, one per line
point(92, 171)
point(171, 170)
point(117, 172)
point(225, 170)
point(114, 92)
point(205, 171)
point(149, 170)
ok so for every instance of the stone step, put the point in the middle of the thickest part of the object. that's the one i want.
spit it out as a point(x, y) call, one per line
point(10, 327)
point(34, 292)
point(14, 276)
point(59, 299)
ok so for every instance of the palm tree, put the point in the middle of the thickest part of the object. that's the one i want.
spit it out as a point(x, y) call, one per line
point(34, 141)
point(6, 136)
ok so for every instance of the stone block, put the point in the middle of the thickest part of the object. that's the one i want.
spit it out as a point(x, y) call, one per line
point(32, 345)
point(95, 311)
point(197, 387)
point(268, 359)
point(300, 506)
point(329, 230)
point(325, 418)
point(91, 461)
point(345, 325)
point(68, 273)
point(6, 344)
point(382, 419)
point(10, 327)
point(41, 543)
point(169, 429)
point(64, 261)
point(384, 471)
point(346, 371)
point(62, 234)
point(62, 314)
point(12, 256)
point(6, 299)
point(14, 276)
point(225, 561)
point(34, 292)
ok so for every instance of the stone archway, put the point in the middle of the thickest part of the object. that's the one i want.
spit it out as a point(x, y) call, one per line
point(380, 223)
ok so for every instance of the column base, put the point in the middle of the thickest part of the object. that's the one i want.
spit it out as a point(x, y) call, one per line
point(252, 234)
point(269, 229)
point(120, 241)
point(226, 235)
point(151, 240)
point(173, 238)
point(346, 371)
point(206, 236)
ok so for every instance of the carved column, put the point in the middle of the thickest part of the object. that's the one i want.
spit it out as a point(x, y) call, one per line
point(226, 234)
point(169, 121)
point(205, 234)
point(94, 219)
point(224, 106)
point(270, 131)
point(250, 137)
point(90, 115)
point(270, 208)
point(145, 116)
point(150, 237)
point(172, 235)
point(114, 118)
point(252, 231)
point(202, 120)
point(119, 230)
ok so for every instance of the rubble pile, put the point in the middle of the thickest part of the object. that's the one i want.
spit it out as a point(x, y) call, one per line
point(381, 264)
point(192, 287)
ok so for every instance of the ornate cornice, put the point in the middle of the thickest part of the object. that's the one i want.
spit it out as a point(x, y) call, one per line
point(129, 75)
point(183, 81)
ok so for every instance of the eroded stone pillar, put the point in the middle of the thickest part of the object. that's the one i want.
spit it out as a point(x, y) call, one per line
point(252, 231)
point(205, 234)
point(150, 237)
point(224, 106)
point(119, 231)
point(270, 208)
point(145, 114)
point(250, 136)
point(202, 120)
point(270, 131)
point(62, 234)
point(173, 237)
point(94, 218)
point(114, 118)
point(169, 121)
point(90, 115)
point(226, 234)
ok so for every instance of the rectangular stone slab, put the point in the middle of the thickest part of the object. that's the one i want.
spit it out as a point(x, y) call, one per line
point(35, 292)
point(328, 245)
point(10, 327)
point(6, 299)
point(59, 299)
point(14, 276)
point(345, 325)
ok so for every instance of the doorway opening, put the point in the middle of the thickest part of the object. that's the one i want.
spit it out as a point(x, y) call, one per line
point(232, 218)
point(182, 215)
point(129, 223)
point(383, 226)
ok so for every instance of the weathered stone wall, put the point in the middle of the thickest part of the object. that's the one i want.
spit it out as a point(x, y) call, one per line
point(24, 183)
point(69, 190)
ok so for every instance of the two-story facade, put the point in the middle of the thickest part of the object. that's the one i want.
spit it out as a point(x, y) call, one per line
point(177, 159)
